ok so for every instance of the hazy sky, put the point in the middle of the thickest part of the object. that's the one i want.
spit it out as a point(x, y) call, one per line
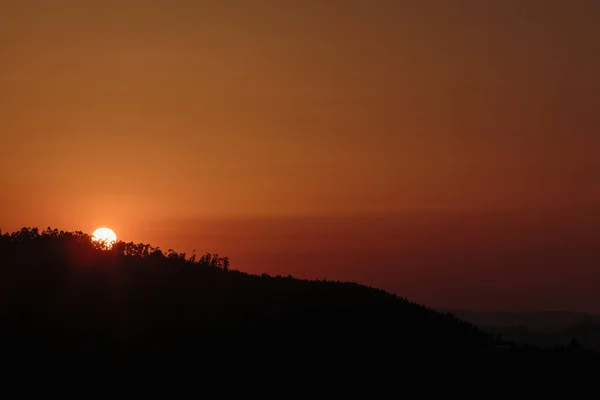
point(122, 112)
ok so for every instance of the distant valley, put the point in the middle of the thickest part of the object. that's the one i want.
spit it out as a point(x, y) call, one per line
point(540, 328)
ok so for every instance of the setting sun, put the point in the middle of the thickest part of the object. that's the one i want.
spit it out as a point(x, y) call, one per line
point(106, 235)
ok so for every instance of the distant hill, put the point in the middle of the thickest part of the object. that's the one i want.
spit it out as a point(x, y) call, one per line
point(542, 328)
point(71, 306)
point(539, 320)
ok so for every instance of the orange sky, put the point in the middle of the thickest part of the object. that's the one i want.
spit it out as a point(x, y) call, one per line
point(134, 114)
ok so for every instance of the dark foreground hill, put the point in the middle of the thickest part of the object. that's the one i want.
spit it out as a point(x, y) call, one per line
point(69, 306)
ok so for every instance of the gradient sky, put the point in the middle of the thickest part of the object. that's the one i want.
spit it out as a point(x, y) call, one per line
point(234, 124)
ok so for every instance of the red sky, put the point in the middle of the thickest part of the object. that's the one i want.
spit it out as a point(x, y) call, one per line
point(230, 126)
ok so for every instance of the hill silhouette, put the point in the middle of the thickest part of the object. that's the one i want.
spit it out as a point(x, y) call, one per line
point(136, 308)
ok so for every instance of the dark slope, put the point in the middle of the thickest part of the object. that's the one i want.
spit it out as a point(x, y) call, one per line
point(69, 308)
point(63, 294)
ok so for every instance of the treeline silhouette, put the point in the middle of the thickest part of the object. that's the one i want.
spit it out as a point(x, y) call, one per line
point(133, 307)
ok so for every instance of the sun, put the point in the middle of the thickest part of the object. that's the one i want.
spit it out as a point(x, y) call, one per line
point(106, 235)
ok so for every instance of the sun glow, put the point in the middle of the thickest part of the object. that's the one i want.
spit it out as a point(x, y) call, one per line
point(105, 235)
